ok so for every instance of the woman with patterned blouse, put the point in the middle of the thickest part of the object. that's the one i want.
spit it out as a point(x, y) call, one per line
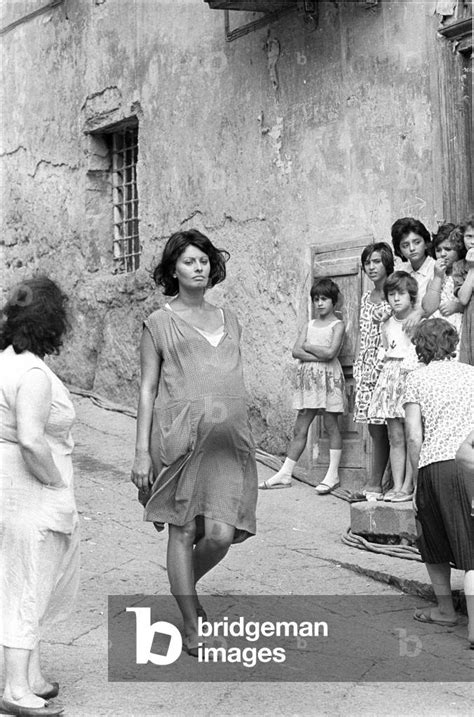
point(439, 408)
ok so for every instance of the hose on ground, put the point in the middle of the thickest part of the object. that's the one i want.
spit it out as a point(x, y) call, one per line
point(407, 552)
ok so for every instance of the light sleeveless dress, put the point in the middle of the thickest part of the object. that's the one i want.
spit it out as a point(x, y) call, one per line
point(320, 385)
point(39, 537)
point(201, 445)
point(400, 358)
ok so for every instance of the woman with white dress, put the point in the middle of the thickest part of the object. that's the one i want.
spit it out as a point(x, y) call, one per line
point(39, 540)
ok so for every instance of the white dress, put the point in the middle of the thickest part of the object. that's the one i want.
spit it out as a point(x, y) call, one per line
point(39, 537)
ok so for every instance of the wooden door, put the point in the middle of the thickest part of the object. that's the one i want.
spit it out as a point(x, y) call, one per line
point(342, 264)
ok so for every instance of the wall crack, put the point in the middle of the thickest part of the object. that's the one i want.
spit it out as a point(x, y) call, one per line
point(13, 151)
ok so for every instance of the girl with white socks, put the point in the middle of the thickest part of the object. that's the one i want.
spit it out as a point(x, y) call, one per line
point(320, 386)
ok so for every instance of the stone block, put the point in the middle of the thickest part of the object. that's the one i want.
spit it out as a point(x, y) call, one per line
point(379, 518)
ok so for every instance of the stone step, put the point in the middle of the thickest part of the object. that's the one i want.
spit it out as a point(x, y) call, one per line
point(379, 518)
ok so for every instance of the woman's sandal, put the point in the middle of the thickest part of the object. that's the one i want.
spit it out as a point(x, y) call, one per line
point(201, 612)
point(50, 694)
point(402, 497)
point(266, 485)
point(189, 650)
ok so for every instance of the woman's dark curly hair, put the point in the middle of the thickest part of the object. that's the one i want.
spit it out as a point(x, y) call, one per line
point(444, 230)
point(405, 226)
point(176, 244)
point(454, 235)
point(35, 317)
point(457, 242)
point(435, 340)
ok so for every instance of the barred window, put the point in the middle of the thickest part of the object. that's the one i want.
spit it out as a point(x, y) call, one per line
point(126, 241)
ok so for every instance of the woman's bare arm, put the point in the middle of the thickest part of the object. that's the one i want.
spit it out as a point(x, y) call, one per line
point(465, 291)
point(326, 353)
point(142, 471)
point(298, 351)
point(414, 435)
point(33, 405)
point(465, 453)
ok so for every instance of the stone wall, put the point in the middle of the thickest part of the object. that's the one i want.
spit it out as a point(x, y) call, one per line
point(280, 140)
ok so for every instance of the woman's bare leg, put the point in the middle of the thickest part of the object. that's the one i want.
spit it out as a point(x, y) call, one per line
point(35, 676)
point(179, 563)
point(440, 576)
point(380, 455)
point(212, 547)
point(396, 435)
point(407, 486)
point(297, 445)
point(17, 686)
point(469, 593)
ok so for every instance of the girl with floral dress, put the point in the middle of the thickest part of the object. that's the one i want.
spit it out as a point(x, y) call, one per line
point(320, 386)
point(463, 276)
point(440, 300)
point(399, 358)
point(377, 262)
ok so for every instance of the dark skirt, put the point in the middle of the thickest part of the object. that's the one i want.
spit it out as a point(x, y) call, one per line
point(445, 525)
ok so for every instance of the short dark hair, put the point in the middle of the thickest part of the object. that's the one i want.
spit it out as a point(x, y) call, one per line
point(456, 239)
point(386, 254)
point(35, 317)
point(404, 281)
point(404, 226)
point(435, 339)
point(325, 287)
point(176, 244)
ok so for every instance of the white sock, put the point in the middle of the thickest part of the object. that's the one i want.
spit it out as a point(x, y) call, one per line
point(332, 476)
point(287, 467)
point(285, 471)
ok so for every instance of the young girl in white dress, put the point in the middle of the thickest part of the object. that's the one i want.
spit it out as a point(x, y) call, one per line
point(320, 387)
point(400, 358)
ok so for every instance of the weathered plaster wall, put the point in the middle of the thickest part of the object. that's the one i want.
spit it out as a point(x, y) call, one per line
point(277, 141)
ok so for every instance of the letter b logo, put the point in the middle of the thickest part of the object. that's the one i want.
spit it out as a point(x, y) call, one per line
point(145, 634)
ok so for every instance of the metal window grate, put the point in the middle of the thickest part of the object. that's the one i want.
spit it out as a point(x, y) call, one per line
point(125, 199)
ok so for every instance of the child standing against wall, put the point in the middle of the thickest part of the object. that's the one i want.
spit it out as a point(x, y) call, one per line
point(440, 301)
point(401, 291)
point(412, 243)
point(463, 276)
point(320, 386)
point(377, 262)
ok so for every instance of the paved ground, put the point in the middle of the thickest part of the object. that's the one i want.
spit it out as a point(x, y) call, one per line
point(297, 552)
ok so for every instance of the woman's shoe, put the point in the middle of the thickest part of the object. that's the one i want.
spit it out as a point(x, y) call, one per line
point(15, 707)
point(372, 495)
point(50, 694)
point(402, 497)
point(193, 651)
point(201, 612)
